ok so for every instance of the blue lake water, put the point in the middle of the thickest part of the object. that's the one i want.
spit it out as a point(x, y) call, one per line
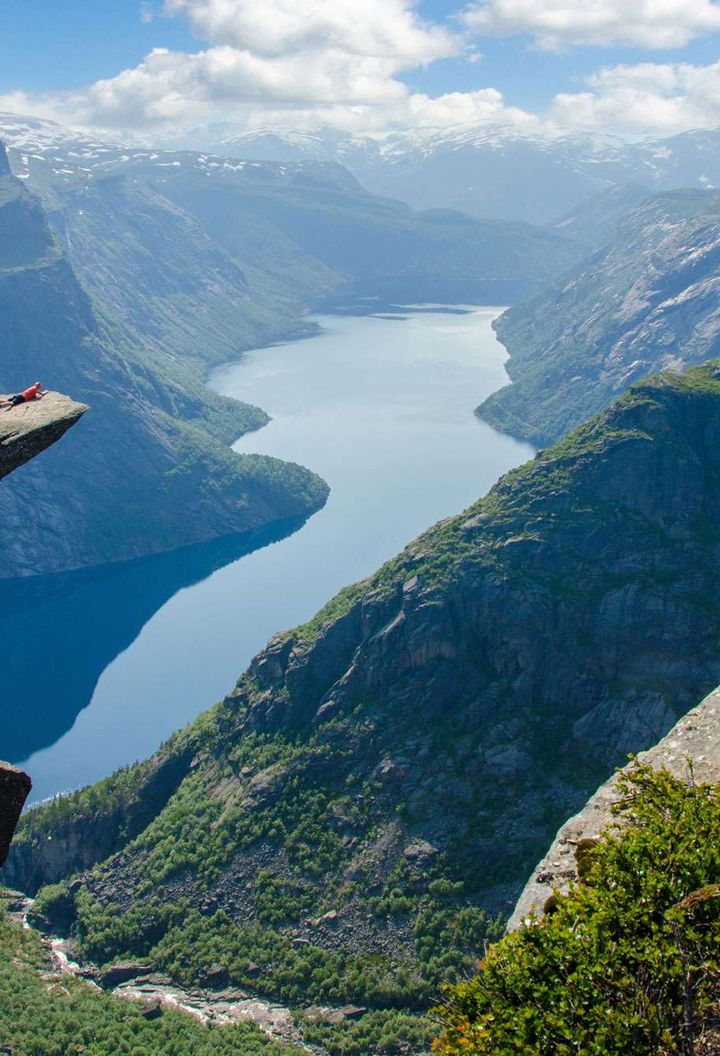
point(101, 666)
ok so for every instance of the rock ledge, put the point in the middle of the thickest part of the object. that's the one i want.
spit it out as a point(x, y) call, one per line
point(27, 430)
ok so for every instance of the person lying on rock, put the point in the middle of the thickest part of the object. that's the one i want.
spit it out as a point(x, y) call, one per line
point(35, 392)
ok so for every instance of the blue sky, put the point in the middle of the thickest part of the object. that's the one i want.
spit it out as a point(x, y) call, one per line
point(52, 54)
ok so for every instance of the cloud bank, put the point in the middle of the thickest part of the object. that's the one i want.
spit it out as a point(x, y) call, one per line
point(305, 63)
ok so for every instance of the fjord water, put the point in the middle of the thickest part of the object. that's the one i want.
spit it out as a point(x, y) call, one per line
point(100, 667)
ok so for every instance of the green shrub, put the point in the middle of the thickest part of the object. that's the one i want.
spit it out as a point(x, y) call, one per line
point(627, 963)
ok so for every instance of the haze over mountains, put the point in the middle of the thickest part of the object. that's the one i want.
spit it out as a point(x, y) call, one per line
point(497, 172)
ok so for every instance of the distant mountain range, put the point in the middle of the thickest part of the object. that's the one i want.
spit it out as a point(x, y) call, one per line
point(151, 267)
point(307, 224)
point(501, 173)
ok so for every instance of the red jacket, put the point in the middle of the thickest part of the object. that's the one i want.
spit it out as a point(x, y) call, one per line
point(31, 393)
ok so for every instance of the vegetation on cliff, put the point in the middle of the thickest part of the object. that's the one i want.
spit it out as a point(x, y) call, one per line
point(348, 823)
point(645, 300)
point(627, 961)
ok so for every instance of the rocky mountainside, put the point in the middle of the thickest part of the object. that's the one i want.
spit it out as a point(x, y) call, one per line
point(31, 428)
point(385, 776)
point(174, 262)
point(150, 447)
point(297, 231)
point(645, 300)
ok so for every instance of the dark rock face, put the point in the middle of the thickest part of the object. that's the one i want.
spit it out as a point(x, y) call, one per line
point(76, 846)
point(152, 1009)
point(14, 789)
point(29, 429)
point(123, 972)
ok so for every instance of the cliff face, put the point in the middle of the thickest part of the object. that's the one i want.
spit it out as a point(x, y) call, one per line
point(14, 789)
point(413, 748)
point(647, 299)
point(27, 430)
point(155, 445)
point(690, 751)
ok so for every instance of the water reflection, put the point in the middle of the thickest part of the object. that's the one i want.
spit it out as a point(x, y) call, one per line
point(59, 633)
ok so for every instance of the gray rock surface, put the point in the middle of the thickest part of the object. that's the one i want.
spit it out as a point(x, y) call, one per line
point(14, 788)
point(690, 750)
point(29, 429)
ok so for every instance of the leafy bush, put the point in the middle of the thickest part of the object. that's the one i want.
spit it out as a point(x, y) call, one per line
point(627, 961)
point(383, 1032)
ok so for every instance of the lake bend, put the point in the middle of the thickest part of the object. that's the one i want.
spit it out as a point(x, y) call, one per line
point(382, 408)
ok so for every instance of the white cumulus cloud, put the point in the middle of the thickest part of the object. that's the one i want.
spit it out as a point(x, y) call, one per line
point(486, 107)
point(388, 29)
point(277, 56)
point(282, 61)
point(556, 24)
point(649, 98)
point(309, 63)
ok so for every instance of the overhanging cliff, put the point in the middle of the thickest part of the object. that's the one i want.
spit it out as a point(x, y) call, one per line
point(29, 429)
point(14, 788)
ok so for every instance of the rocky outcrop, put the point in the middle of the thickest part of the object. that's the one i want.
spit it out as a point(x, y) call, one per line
point(691, 751)
point(32, 427)
point(14, 788)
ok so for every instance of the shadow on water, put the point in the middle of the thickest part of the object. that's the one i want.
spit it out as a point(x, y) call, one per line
point(59, 633)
